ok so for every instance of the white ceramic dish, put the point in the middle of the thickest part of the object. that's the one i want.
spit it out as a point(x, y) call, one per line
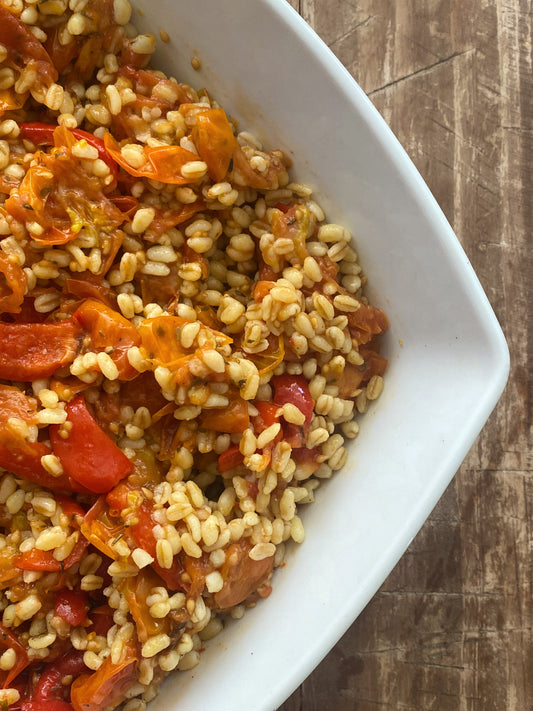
point(268, 68)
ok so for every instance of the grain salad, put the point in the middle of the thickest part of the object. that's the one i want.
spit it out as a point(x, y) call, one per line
point(185, 347)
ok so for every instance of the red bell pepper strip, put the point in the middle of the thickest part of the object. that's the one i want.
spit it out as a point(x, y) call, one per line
point(31, 351)
point(88, 455)
point(44, 561)
point(42, 134)
point(72, 606)
point(9, 641)
point(24, 460)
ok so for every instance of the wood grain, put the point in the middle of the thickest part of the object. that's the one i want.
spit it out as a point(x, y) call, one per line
point(451, 627)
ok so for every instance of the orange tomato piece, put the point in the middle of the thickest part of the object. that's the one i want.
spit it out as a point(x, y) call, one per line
point(242, 576)
point(136, 590)
point(367, 322)
point(161, 343)
point(163, 163)
point(261, 289)
point(15, 403)
point(245, 176)
point(107, 687)
point(214, 139)
point(108, 329)
point(230, 419)
point(101, 529)
point(62, 196)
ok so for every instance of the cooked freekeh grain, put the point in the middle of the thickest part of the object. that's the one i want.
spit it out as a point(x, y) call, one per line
point(184, 345)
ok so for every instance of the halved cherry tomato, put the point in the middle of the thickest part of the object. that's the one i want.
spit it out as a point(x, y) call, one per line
point(124, 495)
point(350, 380)
point(214, 139)
point(244, 175)
point(31, 351)
point(293, 224)
point(375, 363)
point(12, 285)
point(268, 360)
point(109, 330)
point(15, 403)
point(232, 457)
point(72, 606)
point(160, 340)
point(163, 163)
point(88, 455)
point(306, 459)
point(160, 337)
point(143, 533)
point(102, 620)
point(261, 289)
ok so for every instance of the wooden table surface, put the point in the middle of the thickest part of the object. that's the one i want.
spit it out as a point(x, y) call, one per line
point(451, 627)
